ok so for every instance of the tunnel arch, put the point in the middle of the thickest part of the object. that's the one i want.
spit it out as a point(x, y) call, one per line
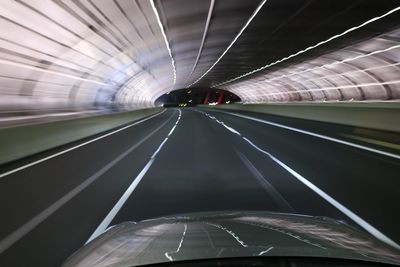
point(93, 54)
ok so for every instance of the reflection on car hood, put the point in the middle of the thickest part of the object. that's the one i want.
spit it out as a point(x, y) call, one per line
point(229, 234)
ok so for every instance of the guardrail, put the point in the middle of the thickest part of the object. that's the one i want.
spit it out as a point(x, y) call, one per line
point(380, 116)
point(25, 140)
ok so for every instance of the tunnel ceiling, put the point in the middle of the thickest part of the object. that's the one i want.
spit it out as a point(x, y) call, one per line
point(131, 52)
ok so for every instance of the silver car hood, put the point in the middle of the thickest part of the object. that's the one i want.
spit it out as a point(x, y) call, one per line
point(230, 234)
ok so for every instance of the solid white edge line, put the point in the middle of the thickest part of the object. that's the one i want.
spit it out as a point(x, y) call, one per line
point(357, 219)
point(117, 207)
point(77, 146)
point(369, 149)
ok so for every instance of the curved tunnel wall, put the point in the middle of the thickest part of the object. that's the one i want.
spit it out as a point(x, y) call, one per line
point(81, 53)
point(86, 54)
point(96, 53)
point(369, 70)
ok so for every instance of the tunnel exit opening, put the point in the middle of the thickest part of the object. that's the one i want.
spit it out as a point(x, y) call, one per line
point(197, 96)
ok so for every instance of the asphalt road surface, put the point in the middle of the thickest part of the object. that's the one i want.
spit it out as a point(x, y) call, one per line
point(194, 160)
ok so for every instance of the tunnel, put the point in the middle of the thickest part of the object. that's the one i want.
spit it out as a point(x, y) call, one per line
point(138, 132)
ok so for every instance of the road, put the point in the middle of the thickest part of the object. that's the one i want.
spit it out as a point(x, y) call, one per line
point(192, 160)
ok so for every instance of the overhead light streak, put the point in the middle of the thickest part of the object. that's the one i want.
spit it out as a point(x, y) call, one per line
point(310, 47)
point(233, 42)
point(339, 62)
point(26, 66)
point(210, 10)
point(165, 38)
point(331, 88)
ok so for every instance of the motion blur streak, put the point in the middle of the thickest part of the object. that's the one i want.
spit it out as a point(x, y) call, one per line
point(356, 73)
point(116, 55)
point(114, 111)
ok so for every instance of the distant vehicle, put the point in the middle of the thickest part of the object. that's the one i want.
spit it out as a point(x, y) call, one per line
point(235, 239)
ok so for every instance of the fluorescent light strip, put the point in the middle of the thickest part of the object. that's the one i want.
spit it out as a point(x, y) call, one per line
point(331, 88)
point(25, 66)
point(204, 36)
point(232, 43)
point(310, 47)
point(338, 62)
point(254, 84)
point(165, 38)
point(342, 74)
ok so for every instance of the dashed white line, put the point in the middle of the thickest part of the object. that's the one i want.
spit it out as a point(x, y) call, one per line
point(210, 10)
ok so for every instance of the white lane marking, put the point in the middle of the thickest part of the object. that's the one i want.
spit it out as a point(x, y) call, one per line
point(357, 219)
point(388, 154)
point(167, 254)
point(77, 146)
point(160, 25)
point(35, 221)
point(233, 41)
point(117, 207)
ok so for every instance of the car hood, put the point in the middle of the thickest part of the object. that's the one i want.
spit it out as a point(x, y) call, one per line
point(230, 234)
